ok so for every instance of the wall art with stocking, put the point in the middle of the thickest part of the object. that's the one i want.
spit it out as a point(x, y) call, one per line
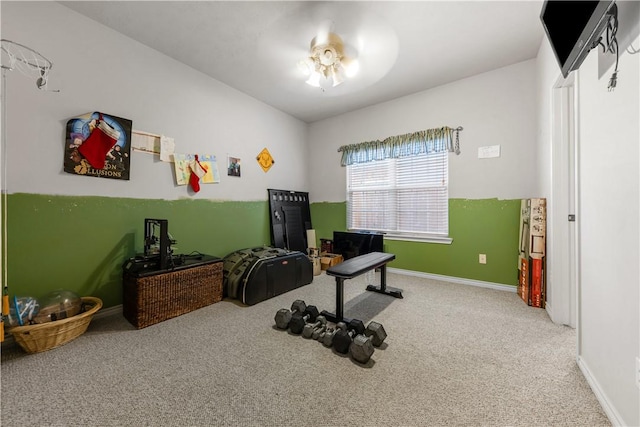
point(98, 145)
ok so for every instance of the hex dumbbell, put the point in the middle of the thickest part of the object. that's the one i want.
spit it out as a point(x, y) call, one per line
point(309, 329)
point(325, 331)
point(318, 332)
point(298, 320)
point(283, 316)
point(327, 339)
point(343, 338)
point(362, 347)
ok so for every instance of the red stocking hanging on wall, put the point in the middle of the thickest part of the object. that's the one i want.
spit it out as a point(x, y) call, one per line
point(197, 172)
point(99, 143)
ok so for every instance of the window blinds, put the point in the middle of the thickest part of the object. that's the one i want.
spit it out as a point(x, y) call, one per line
point(406, 196)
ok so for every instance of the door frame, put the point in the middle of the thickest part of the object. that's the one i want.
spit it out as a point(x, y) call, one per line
point(564, 279)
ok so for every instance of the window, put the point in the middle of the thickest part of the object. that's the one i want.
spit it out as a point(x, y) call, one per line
point(405, 197)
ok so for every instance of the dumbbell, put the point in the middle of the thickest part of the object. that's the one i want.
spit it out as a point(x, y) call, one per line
point(318, 333)
point(309, 329)
point(283, 316)
point(327, 339)
point(362, 346)
point(298, 320)
point(327, 330)
point(343, 338)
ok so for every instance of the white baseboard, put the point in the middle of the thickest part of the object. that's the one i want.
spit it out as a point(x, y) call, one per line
point(607, 407)
point(458, 280)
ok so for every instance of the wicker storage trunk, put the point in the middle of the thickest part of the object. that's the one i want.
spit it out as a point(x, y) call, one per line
point(154, 298)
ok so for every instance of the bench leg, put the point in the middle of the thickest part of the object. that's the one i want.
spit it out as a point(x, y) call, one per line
point(383, 289)
point(339, 314)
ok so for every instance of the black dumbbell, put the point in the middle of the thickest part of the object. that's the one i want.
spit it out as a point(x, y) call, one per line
point(309, 329)
point(298, 320)
point(283, 316)
point(342, 339)
point(362, 347)
point(327, 339)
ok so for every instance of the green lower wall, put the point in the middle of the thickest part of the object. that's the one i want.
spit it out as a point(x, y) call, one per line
point(80, 243)
point(487, 226)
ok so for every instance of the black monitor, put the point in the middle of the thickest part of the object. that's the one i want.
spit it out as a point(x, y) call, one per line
point(351, 244)
point(574, 28)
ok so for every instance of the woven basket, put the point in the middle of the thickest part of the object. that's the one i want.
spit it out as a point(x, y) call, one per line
point(45, 336)
point(152, 299)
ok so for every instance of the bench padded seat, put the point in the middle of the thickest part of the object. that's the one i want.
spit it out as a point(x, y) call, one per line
point(354, 267)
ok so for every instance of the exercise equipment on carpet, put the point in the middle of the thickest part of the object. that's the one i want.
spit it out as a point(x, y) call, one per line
point(310, 328)
point(344, 337)
point(299, 320)
point(283, 316)
point(351, 338)
point(362, 347)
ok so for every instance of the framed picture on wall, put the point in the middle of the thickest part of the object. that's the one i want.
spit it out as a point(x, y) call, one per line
point(233, 166)
point(98, 144)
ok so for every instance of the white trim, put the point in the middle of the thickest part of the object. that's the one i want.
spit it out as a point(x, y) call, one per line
point(607, 407)
point(458, 280)
point(430, 239)
point(577, 269)
point(549, 309)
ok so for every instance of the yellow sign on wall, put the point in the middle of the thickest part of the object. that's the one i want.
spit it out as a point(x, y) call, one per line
point(265, 160)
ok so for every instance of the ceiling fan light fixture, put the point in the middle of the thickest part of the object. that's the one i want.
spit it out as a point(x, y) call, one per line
point(329, 61)
point(329, 56)
point(314, 79)
point(307, 66)
point(337, 74)
point(351, 67)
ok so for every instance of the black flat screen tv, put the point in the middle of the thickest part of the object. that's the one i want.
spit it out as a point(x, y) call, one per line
point(352, 244)
point(573, 29)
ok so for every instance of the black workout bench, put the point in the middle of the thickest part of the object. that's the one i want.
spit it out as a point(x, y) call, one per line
point(354, 267)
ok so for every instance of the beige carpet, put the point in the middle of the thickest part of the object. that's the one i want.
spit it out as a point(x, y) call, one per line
point(455, 355)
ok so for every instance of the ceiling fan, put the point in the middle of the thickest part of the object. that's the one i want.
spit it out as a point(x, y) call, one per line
point(339, 47)
point(327, 61)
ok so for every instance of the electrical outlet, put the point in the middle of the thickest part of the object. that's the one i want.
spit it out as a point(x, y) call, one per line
point(638, 372)
point(482, 258)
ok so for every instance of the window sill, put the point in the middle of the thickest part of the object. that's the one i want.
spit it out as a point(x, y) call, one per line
point(430, 239)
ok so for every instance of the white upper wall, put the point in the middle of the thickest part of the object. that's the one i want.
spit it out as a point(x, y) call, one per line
point(494, 108)
point(97, 69)
point(608, 214)
point(609, 222)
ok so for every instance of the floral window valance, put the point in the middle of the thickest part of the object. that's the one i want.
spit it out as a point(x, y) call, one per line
point(410, 144)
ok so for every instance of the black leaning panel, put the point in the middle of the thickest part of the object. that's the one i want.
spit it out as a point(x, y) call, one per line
point(290, 218)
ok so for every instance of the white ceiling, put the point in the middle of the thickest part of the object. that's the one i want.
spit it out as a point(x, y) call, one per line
point(403, 47)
